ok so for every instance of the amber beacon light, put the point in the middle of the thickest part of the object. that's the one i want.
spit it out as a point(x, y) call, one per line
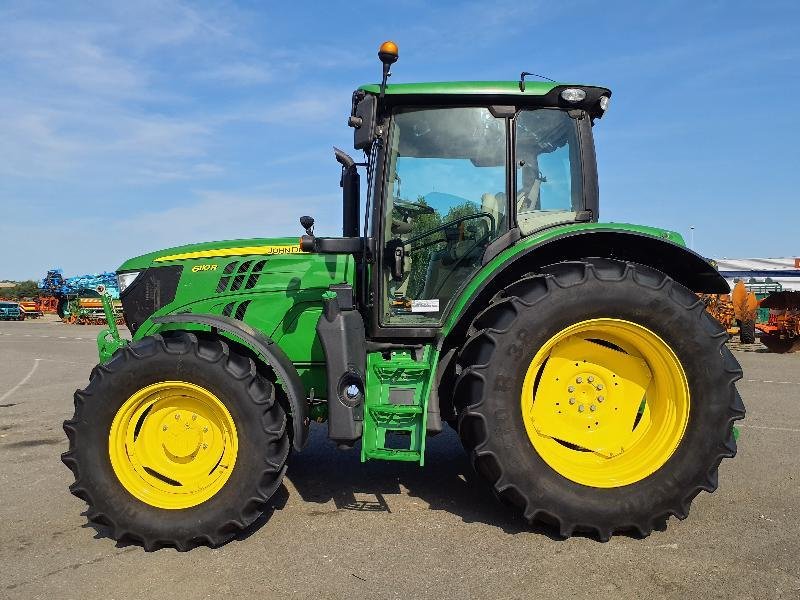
point(388, 53)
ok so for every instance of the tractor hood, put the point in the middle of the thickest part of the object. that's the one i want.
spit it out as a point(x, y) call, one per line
point(213, 250)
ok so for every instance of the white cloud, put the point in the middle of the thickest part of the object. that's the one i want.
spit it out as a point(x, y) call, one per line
point(101, 242)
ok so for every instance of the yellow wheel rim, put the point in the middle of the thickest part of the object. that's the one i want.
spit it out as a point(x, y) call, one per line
point(173, 444)
point(605, 402)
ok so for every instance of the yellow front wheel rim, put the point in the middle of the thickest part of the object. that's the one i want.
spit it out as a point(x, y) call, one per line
point(605, 402)
point(173, 444)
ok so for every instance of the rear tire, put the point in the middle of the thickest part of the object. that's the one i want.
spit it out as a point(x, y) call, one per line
point(259, 438)
point(523, 318)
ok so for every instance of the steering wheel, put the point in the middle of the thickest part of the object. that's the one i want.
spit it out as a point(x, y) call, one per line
point(410, 209)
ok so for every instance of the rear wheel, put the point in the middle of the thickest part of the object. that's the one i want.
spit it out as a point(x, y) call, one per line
point(176, 441)
point(778, 343)
point(598, 396)
point(747, 332)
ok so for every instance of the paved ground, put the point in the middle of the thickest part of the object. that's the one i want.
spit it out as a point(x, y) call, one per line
point(345, 530)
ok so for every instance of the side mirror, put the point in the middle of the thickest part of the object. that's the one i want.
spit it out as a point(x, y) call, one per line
point(307, 223)
point(363, 122)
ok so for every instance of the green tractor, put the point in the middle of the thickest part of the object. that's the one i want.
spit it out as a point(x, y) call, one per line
point(587, 383)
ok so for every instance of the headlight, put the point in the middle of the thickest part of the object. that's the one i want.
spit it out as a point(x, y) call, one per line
point(126, 279)
point(604, 101)
point(573, 94)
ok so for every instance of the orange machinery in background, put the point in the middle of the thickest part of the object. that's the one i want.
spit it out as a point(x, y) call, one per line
point(781, 333)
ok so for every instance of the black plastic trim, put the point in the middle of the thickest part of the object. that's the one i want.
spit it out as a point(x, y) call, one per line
point(341, 333)
point(508, 239)
point(272, 353)
point(342, 245)
point(153, 289)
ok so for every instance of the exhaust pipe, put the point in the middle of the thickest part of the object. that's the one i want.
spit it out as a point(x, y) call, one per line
point(351, 194)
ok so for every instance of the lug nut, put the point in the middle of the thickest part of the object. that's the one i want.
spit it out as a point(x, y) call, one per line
point(579, 380)
point(599, 386)
point(205, 446)
point(572, 400)
point(571, 389)
point(194, 417)
point(590, 379)
point(177, 417)
point(600, 398)
point(205, 429)
point(580, 408)
point(164, 428)
point(592, 408)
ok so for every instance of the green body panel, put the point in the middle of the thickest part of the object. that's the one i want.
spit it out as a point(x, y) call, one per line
point(466, 88)
point(284, 302)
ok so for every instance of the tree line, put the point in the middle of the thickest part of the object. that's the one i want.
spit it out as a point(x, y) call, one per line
point(22, 289)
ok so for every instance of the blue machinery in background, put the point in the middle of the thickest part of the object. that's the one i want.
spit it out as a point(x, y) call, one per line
point(55, 284)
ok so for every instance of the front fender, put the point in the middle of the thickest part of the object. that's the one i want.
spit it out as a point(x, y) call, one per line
point(269, 351)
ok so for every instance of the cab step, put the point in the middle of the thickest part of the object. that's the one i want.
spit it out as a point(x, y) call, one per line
point(394, 412)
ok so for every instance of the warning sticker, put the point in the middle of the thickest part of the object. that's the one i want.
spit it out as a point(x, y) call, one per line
point(425, 306)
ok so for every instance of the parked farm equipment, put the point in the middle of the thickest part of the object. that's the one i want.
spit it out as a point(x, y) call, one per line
point(745, 311)
point(11, 311)
point(76, 298)
point(781, 333)
point(762, 306)
point(32, 308)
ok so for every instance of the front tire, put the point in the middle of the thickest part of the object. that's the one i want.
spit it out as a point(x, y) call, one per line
point(627, 463)
point(176, 441)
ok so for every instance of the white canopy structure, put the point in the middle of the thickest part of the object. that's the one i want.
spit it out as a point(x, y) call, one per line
point(785, 271)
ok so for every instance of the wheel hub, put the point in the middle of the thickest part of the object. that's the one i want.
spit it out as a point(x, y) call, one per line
point(183, 437)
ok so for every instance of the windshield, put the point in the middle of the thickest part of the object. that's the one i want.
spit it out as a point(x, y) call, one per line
point(548, 169)
point(445, 201)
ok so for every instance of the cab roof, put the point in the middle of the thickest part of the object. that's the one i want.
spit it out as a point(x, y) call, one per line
point(479, 88)
point(536, 93)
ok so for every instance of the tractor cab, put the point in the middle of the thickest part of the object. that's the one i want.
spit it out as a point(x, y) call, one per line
point(456, 173)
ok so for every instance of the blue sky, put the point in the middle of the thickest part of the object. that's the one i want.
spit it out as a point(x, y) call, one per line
point(131, 126)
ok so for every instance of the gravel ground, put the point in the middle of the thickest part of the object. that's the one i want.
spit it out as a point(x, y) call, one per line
point(340, 529)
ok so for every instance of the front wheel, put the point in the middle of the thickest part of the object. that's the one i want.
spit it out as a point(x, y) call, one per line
point(598, 396)
point(176, 441)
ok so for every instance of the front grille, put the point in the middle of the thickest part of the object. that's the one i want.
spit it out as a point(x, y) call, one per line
point(152, 290)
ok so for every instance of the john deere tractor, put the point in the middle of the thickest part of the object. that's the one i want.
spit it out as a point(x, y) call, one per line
point(477, 288)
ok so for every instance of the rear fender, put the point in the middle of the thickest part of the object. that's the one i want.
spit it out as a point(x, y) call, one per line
point(681, 264)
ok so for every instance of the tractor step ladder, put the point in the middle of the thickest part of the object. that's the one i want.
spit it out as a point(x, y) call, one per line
point(395, 412)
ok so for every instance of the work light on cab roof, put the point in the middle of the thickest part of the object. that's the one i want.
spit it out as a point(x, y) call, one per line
point(594, 393)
